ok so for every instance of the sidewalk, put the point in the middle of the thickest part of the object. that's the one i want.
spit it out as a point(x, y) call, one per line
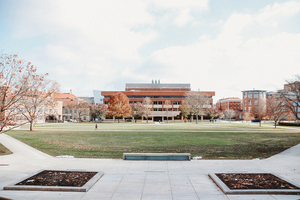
point(141, 179)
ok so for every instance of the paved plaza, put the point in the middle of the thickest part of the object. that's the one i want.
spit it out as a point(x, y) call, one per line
point(141, 179)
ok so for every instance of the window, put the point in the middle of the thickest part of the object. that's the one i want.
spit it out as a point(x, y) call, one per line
point(70, 111)
point(249, 102)
point(255, 95)
point(66, 110)
point(250, 109)
point(84, 118)
point(75, 111)
point(244, 102)
point(245, 109)
point(261, 94)
point(70, 117)
point(157, 102)
point(256, 102)
point(250, 94)
point(245, 94)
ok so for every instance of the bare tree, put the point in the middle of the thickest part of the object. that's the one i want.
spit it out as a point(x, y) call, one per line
point(247, 116)
point(198, 103)
point(276, 108)
point(14, 77)
point(138, 110)
point(259, 111)
point(185, 110)
point(213, 113)
point(166, 105)
point(148, 107)
point(229, 114)
point(99, 110)
point(291, 96)
point(39, 97)
point(82, 108)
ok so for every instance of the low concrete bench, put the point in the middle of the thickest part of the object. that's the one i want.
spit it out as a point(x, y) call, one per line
point(157, 156)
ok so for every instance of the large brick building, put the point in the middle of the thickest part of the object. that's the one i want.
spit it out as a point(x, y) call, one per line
point(158, 93)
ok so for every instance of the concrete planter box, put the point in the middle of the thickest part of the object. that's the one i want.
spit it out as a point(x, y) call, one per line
point(157, 156)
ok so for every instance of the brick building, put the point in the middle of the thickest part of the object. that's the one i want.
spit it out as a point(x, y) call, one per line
point(230, 103)
point(253, 101)
point(158, 93)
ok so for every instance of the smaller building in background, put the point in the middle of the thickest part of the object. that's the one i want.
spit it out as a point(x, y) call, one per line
point(230, 103)
point(74, 108)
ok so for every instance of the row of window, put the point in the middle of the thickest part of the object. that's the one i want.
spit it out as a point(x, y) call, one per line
point(70, 117)
point(255, 95)
point(22, 118)
point(154, 102)
point(166, 109)
point(75, 111)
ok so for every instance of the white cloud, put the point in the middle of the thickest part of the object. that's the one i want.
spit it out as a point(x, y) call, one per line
point(181, 10)
point(240, 62)
point(272, 13)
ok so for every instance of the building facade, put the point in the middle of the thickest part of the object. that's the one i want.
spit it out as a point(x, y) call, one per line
point(74, 108)
point(230, 103)
point(254, 101)
point(158, 93)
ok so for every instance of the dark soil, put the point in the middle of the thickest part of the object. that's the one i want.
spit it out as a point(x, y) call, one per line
point(2, 152)
point(254, 181)
point(59, 178)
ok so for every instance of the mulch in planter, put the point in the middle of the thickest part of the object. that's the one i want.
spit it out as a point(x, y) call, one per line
point(59, 178)
point(254, 181)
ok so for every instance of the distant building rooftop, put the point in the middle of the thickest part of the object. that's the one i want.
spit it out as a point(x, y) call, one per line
point(156, 84)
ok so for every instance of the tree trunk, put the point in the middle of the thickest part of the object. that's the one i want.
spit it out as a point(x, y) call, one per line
point(196, 119)
point(118, 120)
point(275, 123)
point(31, 125)
point(201, 118)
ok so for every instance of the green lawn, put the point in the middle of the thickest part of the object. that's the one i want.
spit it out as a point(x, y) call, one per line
point(4, 150)
point(111, 140)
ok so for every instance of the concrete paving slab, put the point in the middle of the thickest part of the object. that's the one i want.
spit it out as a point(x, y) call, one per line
point(97, 195)
point(157, 196)
point(286, 197)
point(60, 195)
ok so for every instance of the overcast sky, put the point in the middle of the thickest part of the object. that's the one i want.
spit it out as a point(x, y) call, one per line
point(222, 46)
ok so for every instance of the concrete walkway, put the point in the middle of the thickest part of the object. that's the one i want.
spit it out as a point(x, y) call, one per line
point(141, 179)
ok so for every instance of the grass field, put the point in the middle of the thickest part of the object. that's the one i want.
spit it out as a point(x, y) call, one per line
point(3, 150)
point(111, 140)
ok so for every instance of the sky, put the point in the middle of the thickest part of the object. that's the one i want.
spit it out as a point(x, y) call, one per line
point(222, 46)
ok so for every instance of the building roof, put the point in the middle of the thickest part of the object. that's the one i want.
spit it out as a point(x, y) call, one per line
point(64, 96)
point(158, 85)
point(254, 90)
